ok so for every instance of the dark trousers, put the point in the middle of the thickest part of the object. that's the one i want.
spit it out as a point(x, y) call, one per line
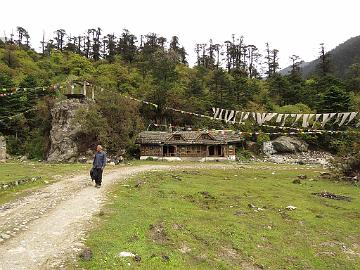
point(96, 174)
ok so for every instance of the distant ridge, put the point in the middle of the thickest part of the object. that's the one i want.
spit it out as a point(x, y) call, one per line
point(342, 57)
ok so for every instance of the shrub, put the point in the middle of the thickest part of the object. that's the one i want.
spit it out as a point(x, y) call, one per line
point(350, 166)
point(261, 138)
point(347, 167)
point(243, 154)
point(113, 121)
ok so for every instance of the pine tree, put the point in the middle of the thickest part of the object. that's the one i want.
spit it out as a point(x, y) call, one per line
point(336, 100)
point(324, 65)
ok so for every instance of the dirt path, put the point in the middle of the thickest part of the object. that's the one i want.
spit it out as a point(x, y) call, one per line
point(43, 229)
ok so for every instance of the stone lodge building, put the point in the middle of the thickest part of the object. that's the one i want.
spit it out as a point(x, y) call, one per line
point(188, 145)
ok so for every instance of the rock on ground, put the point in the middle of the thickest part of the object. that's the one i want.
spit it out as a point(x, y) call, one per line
point(285, 144)
point(311, 157)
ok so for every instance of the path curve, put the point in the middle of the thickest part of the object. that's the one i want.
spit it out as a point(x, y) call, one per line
point(41, 230)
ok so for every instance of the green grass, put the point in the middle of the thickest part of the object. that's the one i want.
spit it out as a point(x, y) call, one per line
point(200, 219)
point(11, 171)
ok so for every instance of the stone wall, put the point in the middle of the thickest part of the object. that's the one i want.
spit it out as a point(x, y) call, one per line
point(2, 148)
point(63, 132)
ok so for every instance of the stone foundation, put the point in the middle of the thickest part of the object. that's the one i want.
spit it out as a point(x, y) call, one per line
point(201, 159)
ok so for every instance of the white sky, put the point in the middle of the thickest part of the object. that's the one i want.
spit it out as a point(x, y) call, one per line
point(291, 26)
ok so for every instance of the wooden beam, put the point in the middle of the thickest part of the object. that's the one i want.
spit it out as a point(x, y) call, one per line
point(84, 89)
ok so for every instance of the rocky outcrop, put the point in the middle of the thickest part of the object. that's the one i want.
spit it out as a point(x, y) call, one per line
point(268, 148)
point(64, 130)
point(2, 148)
point(310, 157)
point(285, 144)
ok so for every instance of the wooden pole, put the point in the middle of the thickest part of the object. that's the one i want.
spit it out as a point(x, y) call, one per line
point(84, 89)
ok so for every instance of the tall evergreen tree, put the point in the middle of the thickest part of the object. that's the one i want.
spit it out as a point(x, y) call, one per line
point(335, 100)
point(324, 65)
point(60, 39)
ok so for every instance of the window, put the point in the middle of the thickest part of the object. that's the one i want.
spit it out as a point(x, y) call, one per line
point(169, 151)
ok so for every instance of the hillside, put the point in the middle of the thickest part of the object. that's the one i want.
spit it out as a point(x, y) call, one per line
point(342, 57)
point(155, 70)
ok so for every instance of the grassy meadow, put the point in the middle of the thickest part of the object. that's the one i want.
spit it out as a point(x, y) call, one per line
point(14, 170)
point(227, 219)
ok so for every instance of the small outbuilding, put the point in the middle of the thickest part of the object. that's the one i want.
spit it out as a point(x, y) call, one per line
point(188, 145)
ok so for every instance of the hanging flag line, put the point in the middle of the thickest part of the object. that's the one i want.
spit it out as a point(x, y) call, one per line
point(232, 116)
point(189, 113)
point(15, 115)
point(292, 128)
point(14, 90)
point(296, 133)
point(246, 116)
point(168, 108)
point(143, 101)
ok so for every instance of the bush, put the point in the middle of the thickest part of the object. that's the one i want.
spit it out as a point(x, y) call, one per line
point(261, 138)
point(243, 154)
point(297, 108)
point(132, 151)
point(14, 145)
point(36, 145)
point(349, 166)
point(113, 121)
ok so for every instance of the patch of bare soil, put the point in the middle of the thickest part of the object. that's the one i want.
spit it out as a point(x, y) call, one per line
point(332, 196)
point(158, 234)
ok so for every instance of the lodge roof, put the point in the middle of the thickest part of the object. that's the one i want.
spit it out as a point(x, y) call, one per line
point(188, 137)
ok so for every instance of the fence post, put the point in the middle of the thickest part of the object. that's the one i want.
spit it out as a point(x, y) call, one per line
point(84, 89)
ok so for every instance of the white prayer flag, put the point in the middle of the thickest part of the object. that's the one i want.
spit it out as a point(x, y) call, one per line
point(344, 117)
point(286, 115)
point(352, 116)
point(338, 118)
point(326, 118)
point(269, 116)
point(233, 120)
point(260, 117)
point(246, 116)
point(307, 119)
point(297, 117)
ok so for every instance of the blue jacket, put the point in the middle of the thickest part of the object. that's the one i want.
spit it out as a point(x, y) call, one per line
point(99, 160)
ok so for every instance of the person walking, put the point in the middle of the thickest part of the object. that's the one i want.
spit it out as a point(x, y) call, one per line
point(99, 164)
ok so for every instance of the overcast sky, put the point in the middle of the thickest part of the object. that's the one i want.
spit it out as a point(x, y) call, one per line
point(291, 26)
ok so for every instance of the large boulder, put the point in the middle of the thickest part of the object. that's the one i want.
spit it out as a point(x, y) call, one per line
point(64, 131)
point(285, 144)
point(2, 148)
